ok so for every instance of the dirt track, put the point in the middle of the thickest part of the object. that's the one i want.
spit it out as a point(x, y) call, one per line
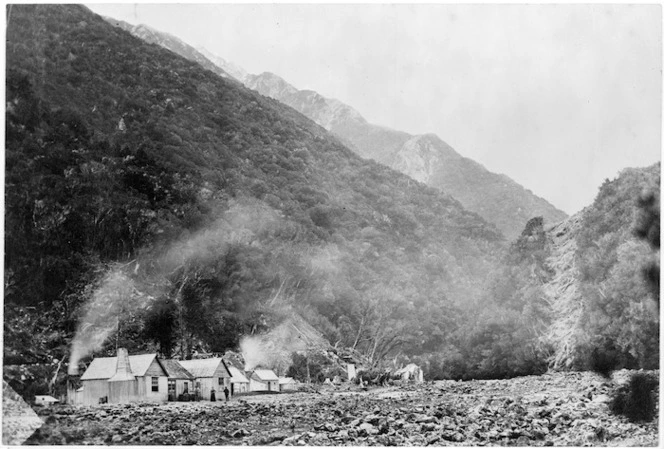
point(558, 409)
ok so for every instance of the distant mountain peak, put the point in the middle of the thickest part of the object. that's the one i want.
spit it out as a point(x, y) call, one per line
point(327, 112)
point(270, 85)
point(170, 42)
point(234, 70)
point(425, 158)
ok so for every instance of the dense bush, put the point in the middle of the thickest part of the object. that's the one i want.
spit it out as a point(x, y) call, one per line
point(637, 399)
point(117, 150)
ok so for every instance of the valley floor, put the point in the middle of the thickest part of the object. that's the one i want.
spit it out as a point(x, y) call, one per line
point(559, 409)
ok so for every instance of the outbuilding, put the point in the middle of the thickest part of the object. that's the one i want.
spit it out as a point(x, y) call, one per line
point(180, 381)
point(208, 374)
point(239, 382)
point(287, 384)
point(123, 379)
point(45, 400)
point(263, 380)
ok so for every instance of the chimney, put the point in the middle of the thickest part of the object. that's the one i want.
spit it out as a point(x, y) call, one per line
point(123, 368)
point(72, 370)
point(73, 383)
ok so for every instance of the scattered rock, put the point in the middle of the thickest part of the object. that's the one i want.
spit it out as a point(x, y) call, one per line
point(552, 409)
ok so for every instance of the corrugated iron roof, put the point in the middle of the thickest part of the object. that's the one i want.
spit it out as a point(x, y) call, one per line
point(175, 370)
point(266, 374)
point(105, 367)
point(237, 376)
point(204, 367)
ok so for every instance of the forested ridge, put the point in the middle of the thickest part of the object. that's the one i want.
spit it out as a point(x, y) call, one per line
point(582, 294)
point(118, 150)
point(176, 211)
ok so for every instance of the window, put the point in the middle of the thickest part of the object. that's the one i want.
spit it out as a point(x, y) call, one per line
point(221, 381)
point(155, 384)
point(186, 388)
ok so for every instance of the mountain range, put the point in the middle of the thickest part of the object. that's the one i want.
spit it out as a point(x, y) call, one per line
point(425, 158)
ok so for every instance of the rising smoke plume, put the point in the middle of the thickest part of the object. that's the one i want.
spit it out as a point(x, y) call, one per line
point(101, 315)
point(120, 292)
point(125, 290)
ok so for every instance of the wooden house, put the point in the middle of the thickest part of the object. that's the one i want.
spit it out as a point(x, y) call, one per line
point(263, 380)
point(287, 384)
point(123, 379)
point(239, 382)
point(208, 374)
point(180, 381)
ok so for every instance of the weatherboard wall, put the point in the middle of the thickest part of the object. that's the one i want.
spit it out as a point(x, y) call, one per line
point(239, 387)
point(93, 390)
point(259, 385)
point(209, 383)
point(180, 387)
point(123, 392)
point(145, 392)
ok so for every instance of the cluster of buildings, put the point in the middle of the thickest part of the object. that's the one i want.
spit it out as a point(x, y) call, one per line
point(147, 378)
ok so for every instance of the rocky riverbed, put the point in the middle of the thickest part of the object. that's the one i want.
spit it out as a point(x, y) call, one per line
point(560, 409)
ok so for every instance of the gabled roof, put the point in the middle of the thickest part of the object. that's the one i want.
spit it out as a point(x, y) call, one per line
point(205, 367)
point(105, 367)
point(123, 370)
point(175, 370)
point(238, 377)
point(265, 375)
point(286, 380)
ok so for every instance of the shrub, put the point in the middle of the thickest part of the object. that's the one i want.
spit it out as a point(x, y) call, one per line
point(636, 400)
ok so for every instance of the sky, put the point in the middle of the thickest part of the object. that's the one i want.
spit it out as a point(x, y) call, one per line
point(558, 97)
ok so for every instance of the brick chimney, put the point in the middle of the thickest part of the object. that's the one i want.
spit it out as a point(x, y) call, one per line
point(123, 368)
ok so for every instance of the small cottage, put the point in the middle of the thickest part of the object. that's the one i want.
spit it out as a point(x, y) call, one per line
point(239, 383)
point(45, 400)
point(263, 380)
point(287, 384)
point(123, 379)
point(180, 381)
point(209, 374)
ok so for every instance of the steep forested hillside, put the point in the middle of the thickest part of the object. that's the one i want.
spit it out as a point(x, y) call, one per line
point(173, 209)
point(575, 295)
point(426, 158)
point(603, 306)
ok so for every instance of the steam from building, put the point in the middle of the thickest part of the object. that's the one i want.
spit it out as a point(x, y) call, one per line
point(274, 349)
point(124, 290)
point(100, 319)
